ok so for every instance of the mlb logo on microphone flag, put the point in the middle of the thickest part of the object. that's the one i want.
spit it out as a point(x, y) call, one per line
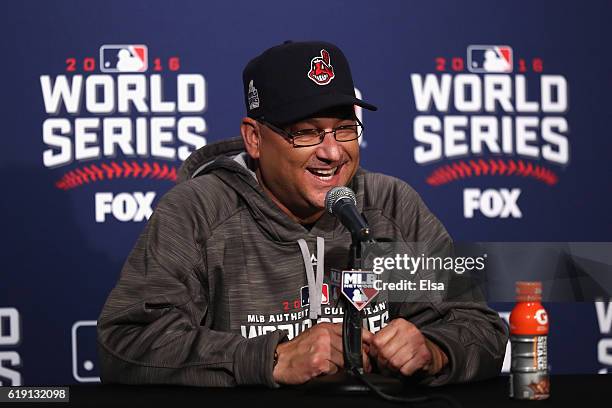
point(359, 287)
point(123, 58)
point(489, 58)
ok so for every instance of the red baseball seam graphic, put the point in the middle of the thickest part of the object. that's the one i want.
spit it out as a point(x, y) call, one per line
point(112, 170)
point(492, 167)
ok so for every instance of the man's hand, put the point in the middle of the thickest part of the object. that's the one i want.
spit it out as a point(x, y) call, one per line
point(315, 352)
point(401, 347)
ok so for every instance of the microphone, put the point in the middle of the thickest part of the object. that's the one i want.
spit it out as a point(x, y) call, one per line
point(341, 202)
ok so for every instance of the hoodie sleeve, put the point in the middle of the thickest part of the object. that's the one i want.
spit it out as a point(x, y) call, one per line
point(472, 335)
point(151, 329)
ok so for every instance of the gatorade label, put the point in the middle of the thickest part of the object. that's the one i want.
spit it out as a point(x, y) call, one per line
point(529, 378)
point(541, 358)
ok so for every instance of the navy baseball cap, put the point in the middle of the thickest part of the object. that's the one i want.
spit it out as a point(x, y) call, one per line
point(294, 80)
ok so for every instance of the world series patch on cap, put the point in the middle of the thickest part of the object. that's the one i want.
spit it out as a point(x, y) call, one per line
point(294, 80)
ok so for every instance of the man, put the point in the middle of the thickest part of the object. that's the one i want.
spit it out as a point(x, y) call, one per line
point(218, 290)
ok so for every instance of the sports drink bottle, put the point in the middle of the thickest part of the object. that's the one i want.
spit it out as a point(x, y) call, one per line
point(528, 336)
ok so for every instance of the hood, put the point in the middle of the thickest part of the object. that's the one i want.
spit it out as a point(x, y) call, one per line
point(199, 159)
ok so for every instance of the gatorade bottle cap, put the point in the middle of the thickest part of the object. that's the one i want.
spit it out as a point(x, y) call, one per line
point(528, 291)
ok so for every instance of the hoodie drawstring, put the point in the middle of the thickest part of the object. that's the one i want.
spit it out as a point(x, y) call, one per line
point(315, 284)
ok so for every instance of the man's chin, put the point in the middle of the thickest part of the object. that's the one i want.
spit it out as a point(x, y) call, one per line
point(318, 199)
point(315, 204)
point(316, 196)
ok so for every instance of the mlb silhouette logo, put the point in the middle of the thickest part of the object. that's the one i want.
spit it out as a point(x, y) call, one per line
point(123, 58)
point(84, 351)
point(359, 287)
point(305, 295)
point(489, 58)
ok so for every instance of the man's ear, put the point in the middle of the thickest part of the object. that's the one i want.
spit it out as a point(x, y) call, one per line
point(249, 129)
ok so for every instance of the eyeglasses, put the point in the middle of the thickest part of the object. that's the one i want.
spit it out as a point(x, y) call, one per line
point(313, 137)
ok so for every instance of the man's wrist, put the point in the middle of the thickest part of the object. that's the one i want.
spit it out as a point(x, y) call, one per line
point(276, 368)
point(439, 359)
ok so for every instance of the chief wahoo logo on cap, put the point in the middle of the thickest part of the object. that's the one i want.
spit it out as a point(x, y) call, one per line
point(321, 72)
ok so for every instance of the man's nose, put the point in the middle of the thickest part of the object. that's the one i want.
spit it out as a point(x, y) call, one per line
point(329, 149)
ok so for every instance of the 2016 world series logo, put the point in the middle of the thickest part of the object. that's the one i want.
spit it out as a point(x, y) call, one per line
point(108, 119)
point(488, 115)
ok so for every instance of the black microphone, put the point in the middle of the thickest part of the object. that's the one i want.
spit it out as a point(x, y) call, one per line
point(341, 202)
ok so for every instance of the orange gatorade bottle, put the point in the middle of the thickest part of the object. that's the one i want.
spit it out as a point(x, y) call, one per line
point(528, 335)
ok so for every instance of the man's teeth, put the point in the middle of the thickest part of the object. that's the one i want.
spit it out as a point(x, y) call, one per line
point(324, 174)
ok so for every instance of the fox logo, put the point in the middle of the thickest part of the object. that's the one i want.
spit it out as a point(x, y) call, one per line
point(321, 71)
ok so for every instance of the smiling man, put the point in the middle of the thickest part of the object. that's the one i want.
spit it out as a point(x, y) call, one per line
point(220, 288)
point(300, 168)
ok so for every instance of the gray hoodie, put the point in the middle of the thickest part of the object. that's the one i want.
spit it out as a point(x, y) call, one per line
point(217, 279)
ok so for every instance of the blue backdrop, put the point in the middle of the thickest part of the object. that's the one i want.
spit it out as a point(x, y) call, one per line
point(530, 162)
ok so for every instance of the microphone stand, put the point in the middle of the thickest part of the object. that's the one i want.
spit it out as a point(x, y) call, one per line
point(347, 381)
point(352, 322)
